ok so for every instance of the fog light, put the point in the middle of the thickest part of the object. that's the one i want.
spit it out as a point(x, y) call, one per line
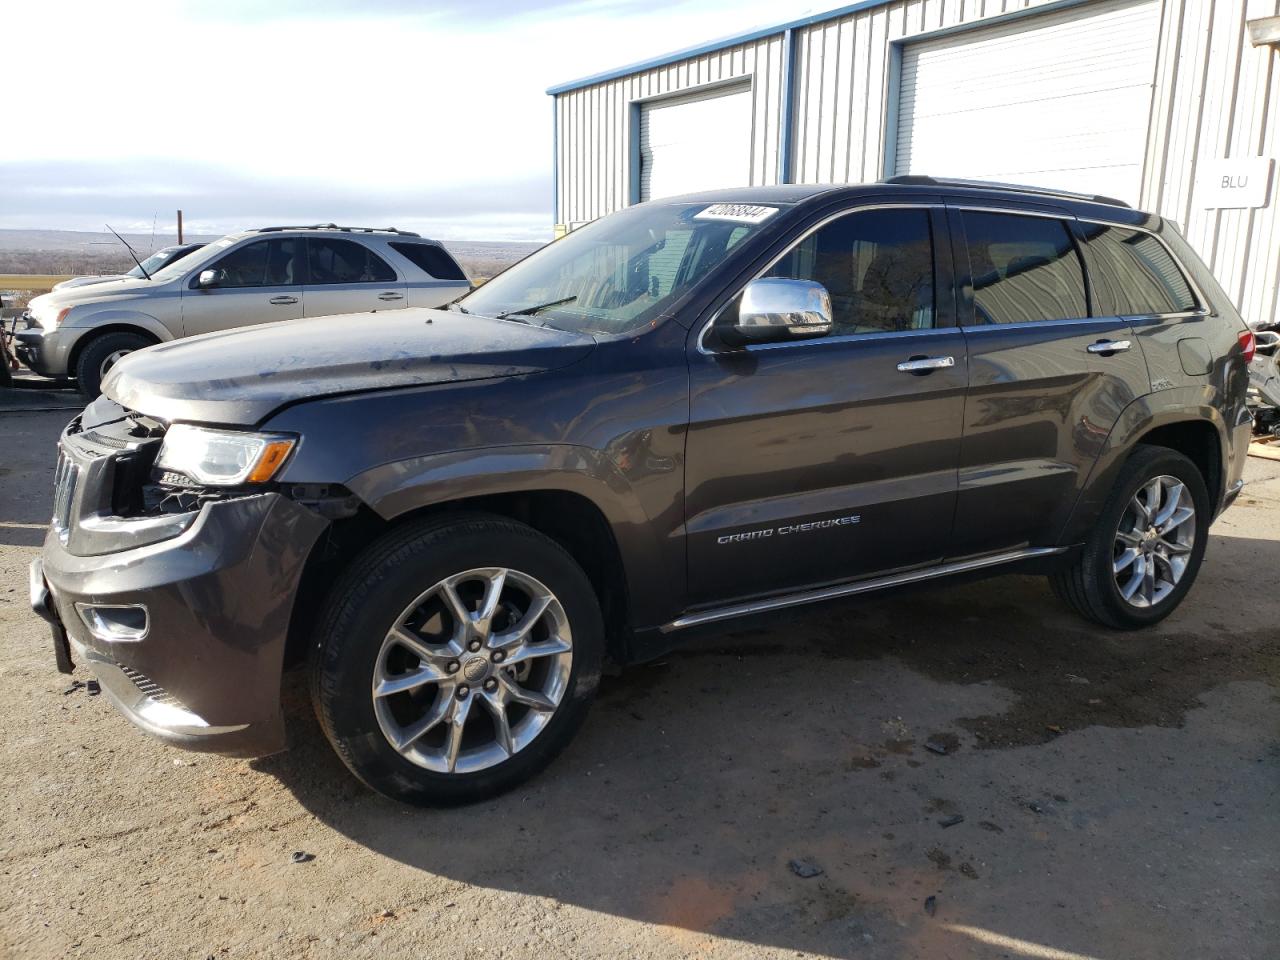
point(115, 622)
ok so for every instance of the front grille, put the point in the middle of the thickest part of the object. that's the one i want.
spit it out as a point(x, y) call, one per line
point(94, 436)
point(65, 477)
point(149, 688)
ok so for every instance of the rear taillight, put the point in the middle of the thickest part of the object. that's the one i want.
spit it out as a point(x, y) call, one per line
point(1248, 345)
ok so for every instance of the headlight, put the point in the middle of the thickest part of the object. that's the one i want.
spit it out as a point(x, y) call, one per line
point(224, 458)
point(50, 319)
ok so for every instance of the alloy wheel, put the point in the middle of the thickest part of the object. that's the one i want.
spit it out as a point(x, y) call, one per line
point(473, 670)
point(111, 360)
point(1154, 541)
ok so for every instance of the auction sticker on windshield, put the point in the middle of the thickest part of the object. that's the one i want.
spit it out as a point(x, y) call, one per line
point(737, 212)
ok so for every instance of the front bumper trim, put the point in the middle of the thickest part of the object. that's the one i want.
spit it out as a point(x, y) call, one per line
point(158, 714)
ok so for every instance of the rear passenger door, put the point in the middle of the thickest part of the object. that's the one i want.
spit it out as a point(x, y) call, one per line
point(1048, 377)
point(347, 277)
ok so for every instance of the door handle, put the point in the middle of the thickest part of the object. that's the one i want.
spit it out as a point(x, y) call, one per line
point(390, 296)
point(282, 301)
point(1108, 346)
point(925, 364)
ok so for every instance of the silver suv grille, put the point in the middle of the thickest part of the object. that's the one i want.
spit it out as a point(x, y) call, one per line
point(65, 476)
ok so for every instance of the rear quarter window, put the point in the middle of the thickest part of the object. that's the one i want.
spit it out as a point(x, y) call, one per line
point(430, 259)
point(1133, 274)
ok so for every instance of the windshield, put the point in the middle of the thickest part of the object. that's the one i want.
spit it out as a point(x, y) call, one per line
point(151, 264)
point(620, 272)
point(203, 255)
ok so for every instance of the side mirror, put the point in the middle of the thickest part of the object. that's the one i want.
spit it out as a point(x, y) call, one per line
point(207, 278)
point(774, 309)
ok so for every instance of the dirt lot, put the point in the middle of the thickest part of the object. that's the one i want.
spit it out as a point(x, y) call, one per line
point(1120, 793)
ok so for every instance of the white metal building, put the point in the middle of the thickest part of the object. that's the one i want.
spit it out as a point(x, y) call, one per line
point(1170, 105)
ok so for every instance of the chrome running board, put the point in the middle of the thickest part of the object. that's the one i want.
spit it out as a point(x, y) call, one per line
point(849, 589)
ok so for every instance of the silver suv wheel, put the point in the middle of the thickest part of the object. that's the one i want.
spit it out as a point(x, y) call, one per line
point(473, 670)
point(110, 361)
point(1154, 541)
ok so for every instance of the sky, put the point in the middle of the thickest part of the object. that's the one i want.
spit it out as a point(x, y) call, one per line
point(429, 116)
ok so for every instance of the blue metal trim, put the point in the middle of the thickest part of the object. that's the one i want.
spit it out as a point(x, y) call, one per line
point(788, 120)
point(633, 146)
point(714, 45)
point(555, 160)
point(893, 91)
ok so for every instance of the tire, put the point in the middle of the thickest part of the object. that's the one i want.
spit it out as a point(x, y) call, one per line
point(99, 354)
point(394, 594)
point(1096, 583)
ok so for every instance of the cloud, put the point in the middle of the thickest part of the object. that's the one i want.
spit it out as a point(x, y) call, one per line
point(219, 200)
point(245, 113)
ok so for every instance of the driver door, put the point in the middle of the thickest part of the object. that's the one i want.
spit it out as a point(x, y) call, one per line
point(258, 282)
point(815, 461)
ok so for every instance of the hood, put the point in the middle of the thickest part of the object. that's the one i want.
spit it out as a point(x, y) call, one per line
point(239, 377)
point(97, 291)
point(86, 281)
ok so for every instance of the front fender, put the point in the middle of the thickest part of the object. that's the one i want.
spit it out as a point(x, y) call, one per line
point(393, 490)
point(119, 317)
point(1140, 417)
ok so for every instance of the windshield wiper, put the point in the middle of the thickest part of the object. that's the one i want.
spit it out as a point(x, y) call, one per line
point(529, 311)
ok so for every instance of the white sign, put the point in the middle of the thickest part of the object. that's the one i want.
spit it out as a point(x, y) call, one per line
point(737, 213)
point(1226, 184)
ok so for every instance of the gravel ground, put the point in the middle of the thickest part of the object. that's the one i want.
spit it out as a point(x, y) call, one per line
point(1120, 794)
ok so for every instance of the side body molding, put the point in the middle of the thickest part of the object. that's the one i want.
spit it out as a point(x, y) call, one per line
point(395, 489)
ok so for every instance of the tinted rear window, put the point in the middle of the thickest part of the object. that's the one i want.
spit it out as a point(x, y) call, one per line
point(430, 259)
point(1133, 274)
point(1024, 269)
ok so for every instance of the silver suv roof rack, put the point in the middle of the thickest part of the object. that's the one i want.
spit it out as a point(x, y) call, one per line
point(334, 226)
point(926, 181)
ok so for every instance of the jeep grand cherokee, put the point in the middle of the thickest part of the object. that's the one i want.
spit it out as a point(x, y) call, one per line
point(686, 413)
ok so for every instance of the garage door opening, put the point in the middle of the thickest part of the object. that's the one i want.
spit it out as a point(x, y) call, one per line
point(1054, 100)
point(695, 142)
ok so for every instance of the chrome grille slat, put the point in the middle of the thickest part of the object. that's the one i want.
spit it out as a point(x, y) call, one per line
point(64, 485)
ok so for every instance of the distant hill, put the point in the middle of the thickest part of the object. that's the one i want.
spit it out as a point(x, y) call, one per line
point(82, 252)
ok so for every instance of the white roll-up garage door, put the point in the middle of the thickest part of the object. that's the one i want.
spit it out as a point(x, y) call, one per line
point(1052, 100)
point(697, 142)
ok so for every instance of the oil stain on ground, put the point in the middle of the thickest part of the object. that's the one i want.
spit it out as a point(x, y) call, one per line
point(1066, 675)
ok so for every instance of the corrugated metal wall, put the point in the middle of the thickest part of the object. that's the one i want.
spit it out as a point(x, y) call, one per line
point(594, 157)
point(1216, 96)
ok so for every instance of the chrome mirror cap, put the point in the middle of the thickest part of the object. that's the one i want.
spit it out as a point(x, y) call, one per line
point(774, 308)
point(207, 278)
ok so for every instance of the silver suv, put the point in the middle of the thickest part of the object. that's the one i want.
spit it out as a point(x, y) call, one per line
point(275, 273)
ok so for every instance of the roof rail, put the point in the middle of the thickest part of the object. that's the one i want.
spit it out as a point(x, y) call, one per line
point(916, 179)
point(334, 226)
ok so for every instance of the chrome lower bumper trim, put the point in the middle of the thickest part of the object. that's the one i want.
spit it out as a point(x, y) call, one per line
point(860, 586)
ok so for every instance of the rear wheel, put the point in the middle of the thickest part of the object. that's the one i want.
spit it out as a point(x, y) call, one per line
point(1146, 549)
point(102, 353)
point(456, 659)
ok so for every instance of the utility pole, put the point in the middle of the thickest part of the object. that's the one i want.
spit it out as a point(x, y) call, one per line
point(179, 226)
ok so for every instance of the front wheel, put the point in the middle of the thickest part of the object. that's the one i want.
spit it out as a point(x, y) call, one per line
point(1147, 546)
point(102, 353)
point(456, 658)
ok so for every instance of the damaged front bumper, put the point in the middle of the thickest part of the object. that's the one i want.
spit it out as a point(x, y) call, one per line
point(214, 604)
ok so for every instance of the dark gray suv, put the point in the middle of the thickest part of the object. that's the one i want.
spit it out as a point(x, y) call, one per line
point(686, 413)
